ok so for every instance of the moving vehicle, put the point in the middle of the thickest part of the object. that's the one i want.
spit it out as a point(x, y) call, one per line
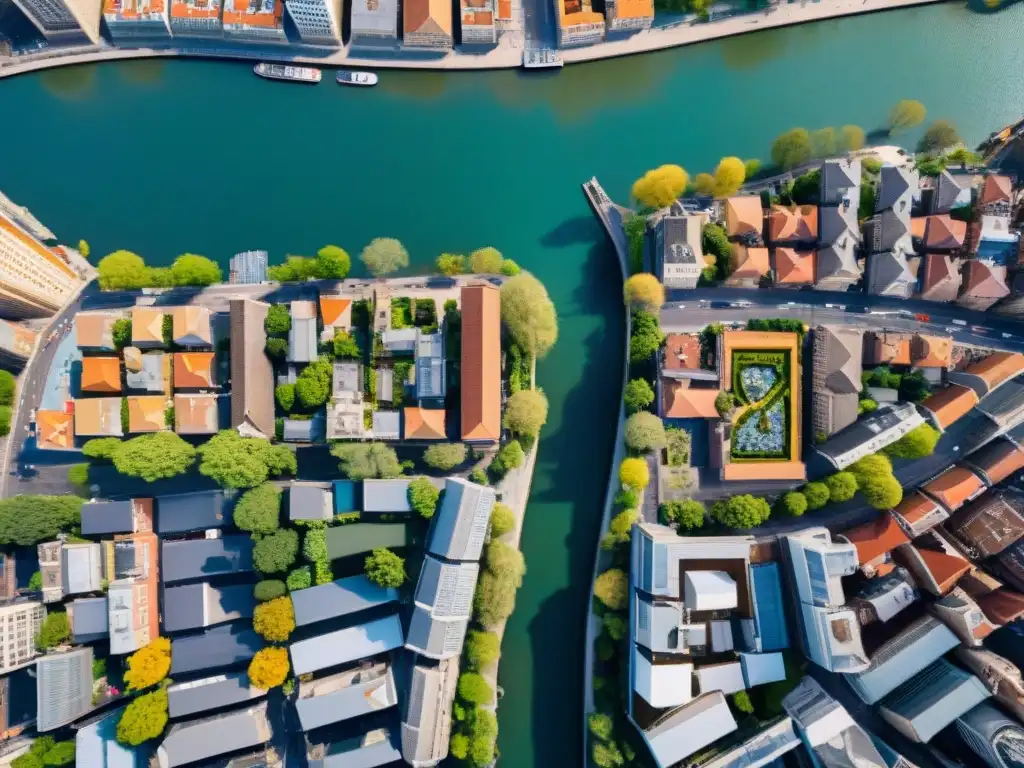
point(309, 75)
point(858, 310)
point(1007, 335)
point(959, 322)
point(922, 318)
point(352, 77)
point(742, 304)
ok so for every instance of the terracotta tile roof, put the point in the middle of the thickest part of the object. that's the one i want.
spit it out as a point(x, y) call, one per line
point(764, 470)
point(942, 232)
point(55, 429)
point(749, 263)
point(744, 214)
point(147, 325)
point(682, 352)
point(237, 12)
point(954, 487)
point(191, 325)
point(335, 310)
point(1002, 606)
point(876, 538)
point(936, 566)
point(794, 267)
point(195, 414)
point(918, 226)
point(101, 374)
point(193, 370)
point(883, 347)
point(951, 403)
point(998, 460)
point(997, 367)
point(984, 281)
point(424, 424)
point(94, 330)
point(570, 14)
point(931, 351)
point(995, 189)
point(680, 401)
point(481, 363)
point(916, 513)
point(429, 16)
point(128, 10)
point(799, 223)
point(146, 413)
point(98, 416)
point(941, 278)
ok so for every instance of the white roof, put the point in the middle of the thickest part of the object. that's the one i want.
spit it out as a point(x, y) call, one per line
point(662, 685)
point(761, 668)
point(721, 636)
point(689, 730)
point(727, 678)
point(709, 591)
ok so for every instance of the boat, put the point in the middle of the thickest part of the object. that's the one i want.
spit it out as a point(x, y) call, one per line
point(352, 77)
point(309, 75)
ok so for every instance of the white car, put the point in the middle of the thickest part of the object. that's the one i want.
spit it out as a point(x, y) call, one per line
point(959, 322)
point(742, 304)
point(1007, 335)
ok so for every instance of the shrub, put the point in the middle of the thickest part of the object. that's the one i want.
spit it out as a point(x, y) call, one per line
point(479, 477)
point(526, 412)
point(345, 346)
point(633, 473)
point(627, 498)
point(688, 514)
point(725, 402)
point(511, 456)
point(451, 264)
point(509, 268)
point(528, 314)
point(385, 568)
point(445, 456)
point(285, 396)
point(502, 520)
point(494, 599)
point(144, 718)
point(154, 457)
point(359, 461)
point(637, 395)
point(269, 668)
point(744, 511)
point(606, 755)
point(314, 545)
point(148, 665)
point(660, 186)
point(482, 649)
point(741, 700)
point(278, 321)
point(275, 619)
point(474, 689)
point(233, 461)
point(612, 589)
point(793, 503)
point(300, 578)
point(101, 448)
point(423, 497)
point(78, 474)
point(56, 630)
point(883, 492)
point(277, 349)
point(646, 337)
point(259, 509)
point(601, 725)
point(615, 626)
point(60, 754)
point(313, 386)
point(269, 589)
point(842, 486)
point(816, 494)
point(505, 562)
point(27, 520)
point(644, 432)
point(276, 552)
point(916, 444)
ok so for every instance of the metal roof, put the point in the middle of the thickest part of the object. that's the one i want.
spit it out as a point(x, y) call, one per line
point(81, 568)
point(386, 495)
point(302, 340)
point(662, 685)
point(96, 745)
point(194, 606)
point(196, 740)
point(100, 517)
point(150, 377)
point(690, 728)
point(222, 646)
point(346, 645)
point(443, 604)
point(769, 611)
point(761, 668)
point(427, 721)
point(460, 525)
point(184, 699)
point(387, 425)
point(196, 511)
point(356, 538)
point(344, 695)
point(348, 378)
point(933, 699)
point(369, 751)
point(89, 620)
point(63, 687)
point(309, 502)
point(202, 558)
point(298, 430)
point(339, 598)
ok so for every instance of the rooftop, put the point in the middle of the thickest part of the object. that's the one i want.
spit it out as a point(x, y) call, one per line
point(794, 267)
point(196, 414)
point(146, 413)
point(246, 13)
point(424, 423)
point(339, 598)
point(481, 362)
point(194, 370)
point(797, 223)
point(347, 645)
point(54, 430)
point(98, 417)
point(95, 330)
point(744, 215)
point(191, 326)
point(950, 404)
point(147, 326)
point(101, 374)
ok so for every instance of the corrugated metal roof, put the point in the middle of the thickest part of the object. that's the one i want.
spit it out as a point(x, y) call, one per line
point(376, 748)
point(223, 646)
point(460, 525)
point(386, 495)
point(190, 742)
point(690, 728)
point(202, 558)
point(309, 502)
point(302, 340)
point(339, 598)
point(63, 687)
point(339, 697)
point(347, 645)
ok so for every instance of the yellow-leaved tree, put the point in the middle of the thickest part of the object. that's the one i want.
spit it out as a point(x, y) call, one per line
point(274, 619)
point(633, 473)
point(704, 184)
point(644, 291)
point(269, 667)
point(729, 176)
point(660, 186)
point(148, 665)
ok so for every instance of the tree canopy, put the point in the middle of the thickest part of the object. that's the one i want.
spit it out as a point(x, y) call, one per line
point(148, 665)
point(294, 269)
point(687, 514)
point(644, 432)
point(644, 291)
point(612, 589)
point(274, 620)
point(645, 338)
point(526, 411)
point(56, 629)
point(883, 492)
point(824, 142)
point(313, 385)
point(384, 255)
point(269, 667)
point(332, 263)
point(474, 689)
point(792, 148)
point(916, 444)
point(851, 138)
point(360, 461)
point(633, 473)
point(729, 176)
point(445, 456)
point(743, 511)
point(842, 486)
point(907, 114)
point(278, 320)
point(276, 552)
point(28, 520)
point(259, 509)
point(144, 718)
point(482, 649)
point(154, 457)
point(101, 448)
point(529, 314)
point(385, 568)
point(123, 270)
point(451, 264)
point(939, 136)
point(816, 494)
point(190, 269)
point(704, 184)
point(494, 599)
point(793, 503)
point(234, 461)
point(637, 395)
point(502, 520)
point(423, 497)
point(270, 589)
point(660, 186)
point(486, 261)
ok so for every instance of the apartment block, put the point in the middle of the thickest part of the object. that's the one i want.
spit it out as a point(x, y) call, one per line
point(19, 624)
point(254, 21)
point(200, 18)
point(64, 21)
point(133, 19)
point(34, 280)
point(318, 22)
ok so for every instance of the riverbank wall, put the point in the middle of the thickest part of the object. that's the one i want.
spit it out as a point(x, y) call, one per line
point(507, 55)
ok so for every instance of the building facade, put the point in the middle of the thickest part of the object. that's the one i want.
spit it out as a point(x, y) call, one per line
point(34, 280)
point(19, 625)
point(992, 736)
point(64, 21)
point(133, 19)
point(318, 22)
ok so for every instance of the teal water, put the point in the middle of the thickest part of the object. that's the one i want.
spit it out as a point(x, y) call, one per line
point(168, 157)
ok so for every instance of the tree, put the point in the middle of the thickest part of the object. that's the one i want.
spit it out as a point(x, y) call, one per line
point(474, 689)
point(842, 486)
point(278, 321)
point(741, 700)
point(725, 403)
point(744, 511)
point(332, 263)
point(60, 754)
point(482, 649)
point(660, 186)
point(526, 412)
point(276, 552)
point(502, 520)
point(511, 456)
point(704, 184)
point(633, 473)
point(189, 269)
point(274, 619)
point(493, 600)
point(148, 665)
point(269, 589)
point(715, 241)
point(883, 492)
point(361, 461)
point(529, 315)
point(144, 718)
point(83, 248)
point(873, 467)
point(300, 578)
point(121, 332)
point(940, 135)
point(601, 726)
point(294, 269)
point(867, 405)
point(154, 457)
point(27, 520)
point(269, 668)
point(688, 515)
point(606, 755)
point(792, 148)
point(7, 388)
point(505, 562)
point(751, 168)
point(509, 268)
point(56, 629)
point(643, 291)
point(637, 395)
point(313, 386)
point(123, 271)
point(259, 509)
point(793, 503)
point(851, 138)
point(612, 589)
point(646, 337)
point(729, 176)
point(963, 157)
point(807, 188)
point(824, 142)
point(384, 255)
point(234, 461)
point(285, 396)
point(482, 740)
point(345, 346)
point(816, 495)
point(486, 261)
point(423, 497)
point(644, 432)
point(101, 448)
point(35, 582)
point(451, 264)
point(906, 115)
point(445, 456)
point(458, 746)
point(385, 568)
point(916, 444)
point(276, 348)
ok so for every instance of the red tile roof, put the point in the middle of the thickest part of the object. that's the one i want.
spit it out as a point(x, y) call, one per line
point(481, 363)
point(101, 374)
point(680, 401)
point(1002, 606)
point(794, 267)
point(951, 403)
point(995, 189)
point(876, 538)
point(954, 487)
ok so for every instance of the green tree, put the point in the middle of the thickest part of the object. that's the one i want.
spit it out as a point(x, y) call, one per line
point(154, 457)
point(867, 405)
point(482, 649)
point(633, 473)
point(332, 263)
point(873, 467)
point(423, 497)
point(505, 561)
point(486, 261)
point(816, 494)
point(824, 142)
point(644, 432)
point(939, 136)
point(83, 248)
point(807, 188)
point(751, 168)
point(528, 314)
point(345, 346)
point(259, 509)
point(278, 321)
point(62, 753)
point(526, 412)
point(793, 504)
point(646, 337)
point(360, 461)
point(276, 552)
point(7, 388)
point(744, 511)
point(149, 665)
point(123, 271)
point(234, 461)
point(294, 269)
point(121, 332)
point(715, 242)
point(269, 589)
point(725, 402)
point(741, 700)
point(143, 719)
point(458, 746)
point(871, 165)
point(851, 138)
point(509, 268)
point(619, 529)
point(792, 148)
point(285, 396)
point(660, 186)
point(384, 255)
point(56, 630)
point(35, 582)
point(189, 269)
point(637, 395)
point(687, 514)
point(606, 755)
point(101, 448)
point(445, 456)
point(704, 184)
point(612, 589)
point(451, 264)
point(276, 349)
point(385, 568)
point(502, 520)
point(601, 726)
point(313, 386)
point(842, 486)
point(906, 115)
point(300, 578)
point(494, 599)
point(483, 738)
point(474, 689)
point(883, 492)
point(916, 444)
point(511, 456)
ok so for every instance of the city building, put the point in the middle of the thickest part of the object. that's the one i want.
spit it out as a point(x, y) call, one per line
point(8, 578)
point(870, 434)
point(430, 366)
point(201, 18)
point(203, 558)
point(386, 496)
point(689, 729)
point(427, 24)
point(424, 423)
point(345, 409)
point(147, 327)
point(838, 228)
point(69, 568)
point(578, 23)
point(476, 19)
point(629, 15)
point(441, 608)
point(96, 744)
point(875, 540)
point(145, 373)
point(931, 700)
point(255, 21)
point(195, 370)
point(23, 217)
point(400, 341)
point(130, 20)
point(992, 736)
point(62, 22)
point(196, 606)
point(335, 315)
point(318, 22)
point(196, 511)
point(63, 687)
point(309, 501)
point(793, 268)
point(763, 748)
point(1005, 407)
point(948, 405)
point(248, 267)
point(223, 647)
point(934, 563)
point(34, 280)
point(252, 375)
point(884, 597)
point(940, 277)
point(128, 516)
point(146, 413)
point(797, 224)
point(744, 219)
point(132, 599)
point(983, 285)
point(1001, 677)
point(343, 597)
point(461, 522)
point(193, 741)
point(20, 622)
point(835, 376)
point(379, 746)
point(481, 364)
point(94, 331)
point(939, 233)
point(989, 373)
point(954, 487)
point(16, 345)
point(945, 193)
point(890, 275)
point(302, 334)
point(995, 196)
point(345, 695)
point(100, 375)
point(347, 645)
point(750, 264)
point(964, 617)
point(675, 243)
point(374, 24)
point(216, 692)
point(427, 720)
point(989, 524)
point(190, 327)
point(55, 430)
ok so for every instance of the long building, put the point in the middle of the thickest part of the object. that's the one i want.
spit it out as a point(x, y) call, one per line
point(133, 19)
point(252, 375)
point(196, 18)
point(255, 21)
point(64, 21)
point(34, 280)
point(374, 24)
point(318, 22)
point(19, 624)
point(428, 24)
point(481, 364)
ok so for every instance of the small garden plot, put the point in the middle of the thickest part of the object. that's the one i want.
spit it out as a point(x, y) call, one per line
point(761, 382)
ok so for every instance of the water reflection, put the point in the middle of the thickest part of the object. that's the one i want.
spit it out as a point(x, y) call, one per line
point(69, 82)
point(143, 71)
point(419, 85)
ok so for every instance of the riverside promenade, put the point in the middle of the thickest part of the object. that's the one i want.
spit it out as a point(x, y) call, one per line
point(507, 55)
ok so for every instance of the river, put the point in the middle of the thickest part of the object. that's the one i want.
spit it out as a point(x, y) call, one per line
point(168, 157)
